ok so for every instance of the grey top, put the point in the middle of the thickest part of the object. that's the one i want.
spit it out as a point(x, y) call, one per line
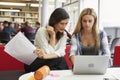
point(88, 50)
point(76, 45)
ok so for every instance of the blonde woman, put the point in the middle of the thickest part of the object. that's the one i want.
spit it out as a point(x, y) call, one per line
point(87, 39)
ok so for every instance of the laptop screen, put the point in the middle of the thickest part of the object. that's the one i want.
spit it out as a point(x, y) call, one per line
point(90, 64)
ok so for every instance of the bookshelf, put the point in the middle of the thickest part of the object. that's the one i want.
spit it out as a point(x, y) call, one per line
point(31, 17)
point(19, 17)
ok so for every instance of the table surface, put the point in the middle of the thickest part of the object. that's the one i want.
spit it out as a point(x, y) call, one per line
point(112, 73)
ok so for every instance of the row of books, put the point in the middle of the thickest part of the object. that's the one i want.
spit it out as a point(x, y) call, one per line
point(5, 13)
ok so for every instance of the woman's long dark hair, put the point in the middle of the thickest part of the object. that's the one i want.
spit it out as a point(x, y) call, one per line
point(58, 15)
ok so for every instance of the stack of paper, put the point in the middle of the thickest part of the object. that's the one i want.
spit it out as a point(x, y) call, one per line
point(21, 48)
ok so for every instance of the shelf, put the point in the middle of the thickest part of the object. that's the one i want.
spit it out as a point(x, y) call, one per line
point(19, 17)
point(31, 14)
point(4, 16)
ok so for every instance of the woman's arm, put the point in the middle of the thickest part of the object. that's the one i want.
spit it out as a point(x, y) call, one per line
point(42, 41)
point(41, 54)
point(61, 46)
point(51, 32)
point(105, 46)
point(73, 49)
point(72, 59)
point(106, 49)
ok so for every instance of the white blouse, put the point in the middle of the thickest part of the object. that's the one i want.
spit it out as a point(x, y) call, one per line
point(42, 42)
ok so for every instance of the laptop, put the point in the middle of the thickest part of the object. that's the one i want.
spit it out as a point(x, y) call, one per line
point(87, 64)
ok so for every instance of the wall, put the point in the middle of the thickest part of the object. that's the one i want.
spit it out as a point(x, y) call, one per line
point(113, 32)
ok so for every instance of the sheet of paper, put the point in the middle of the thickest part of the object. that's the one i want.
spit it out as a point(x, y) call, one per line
point(21, 48)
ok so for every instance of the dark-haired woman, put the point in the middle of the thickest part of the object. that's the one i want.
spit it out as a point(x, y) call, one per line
point(51, 43)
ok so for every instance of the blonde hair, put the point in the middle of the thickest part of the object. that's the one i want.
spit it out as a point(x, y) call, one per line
point(78, 28)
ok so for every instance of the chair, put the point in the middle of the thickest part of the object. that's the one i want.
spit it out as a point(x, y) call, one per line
point(67, 50)
point(4, 37)
point(109, 38)
point(113, 44)
point(116, 58)
point(7, 62)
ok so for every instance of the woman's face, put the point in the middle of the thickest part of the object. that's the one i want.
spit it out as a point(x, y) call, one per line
point(61, 25)
point(87, 22)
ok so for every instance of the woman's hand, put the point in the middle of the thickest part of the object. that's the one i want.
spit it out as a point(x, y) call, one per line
point(50, 30)
point(41, 54)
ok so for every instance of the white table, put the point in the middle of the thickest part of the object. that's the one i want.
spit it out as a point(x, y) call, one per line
point(113, 73)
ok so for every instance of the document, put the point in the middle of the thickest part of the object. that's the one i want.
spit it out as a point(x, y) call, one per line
point(21, 48)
